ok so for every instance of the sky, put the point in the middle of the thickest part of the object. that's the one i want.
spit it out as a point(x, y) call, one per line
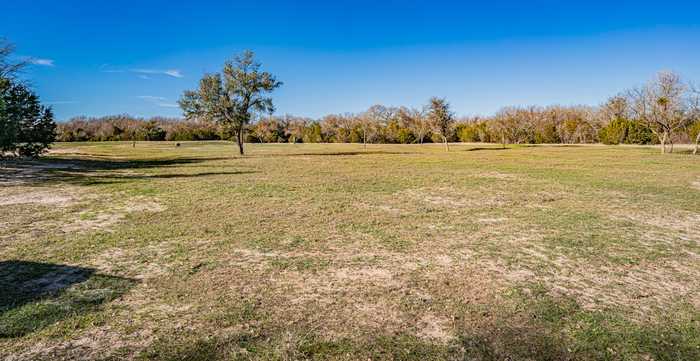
point(98, 58)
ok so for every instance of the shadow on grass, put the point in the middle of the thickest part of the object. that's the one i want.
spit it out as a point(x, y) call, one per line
point(35, 295)
point(484, 148)
point(115, 178)
point(94, 170)
point(327, 154)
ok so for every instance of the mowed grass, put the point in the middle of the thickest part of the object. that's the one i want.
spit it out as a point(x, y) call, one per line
point(333, 251)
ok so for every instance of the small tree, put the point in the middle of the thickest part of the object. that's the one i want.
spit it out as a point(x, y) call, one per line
point(233, 97)
point(441, 118)
point(26, 127)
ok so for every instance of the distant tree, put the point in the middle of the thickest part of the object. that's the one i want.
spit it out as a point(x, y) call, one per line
point(294, 129)
point(372, 121)
point(441, 118)
point(151, 131)
point(415, 121)
point(313, 133)
point(513, 124)
point(664, 106)
point(233, 97)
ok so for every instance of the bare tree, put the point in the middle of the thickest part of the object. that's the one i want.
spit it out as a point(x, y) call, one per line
point(9, 67)
point(416, 121)
point(616, 107)
point(663, 105)
point(374, 119)
point(295, 128)
point(514, 124)
point(441, 118)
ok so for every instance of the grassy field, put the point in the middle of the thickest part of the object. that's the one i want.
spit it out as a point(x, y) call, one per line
point(330, 251)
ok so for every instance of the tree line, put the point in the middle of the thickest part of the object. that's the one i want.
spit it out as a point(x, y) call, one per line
point(624, 119)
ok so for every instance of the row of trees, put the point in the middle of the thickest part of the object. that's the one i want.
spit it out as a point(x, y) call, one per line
point(663, 107)
point(235, 104)
point(612, 123)
point(125, 127)
point(26, 127)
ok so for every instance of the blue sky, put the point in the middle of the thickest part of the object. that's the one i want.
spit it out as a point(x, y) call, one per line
point(112, 57)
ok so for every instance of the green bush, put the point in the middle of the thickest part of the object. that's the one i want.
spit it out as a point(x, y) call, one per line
point(626, 132)
point(152, 131)
point(694, 130)
point(637, 133)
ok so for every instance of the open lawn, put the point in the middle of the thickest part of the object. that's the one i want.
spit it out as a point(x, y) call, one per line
point(330, 251)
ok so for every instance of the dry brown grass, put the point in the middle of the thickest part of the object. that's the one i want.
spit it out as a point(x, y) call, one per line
point(282, 251)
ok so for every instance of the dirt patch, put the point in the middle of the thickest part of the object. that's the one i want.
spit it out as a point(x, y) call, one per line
point(492, 220)
point(140, 263)
point(109, 216)
point(97, 343)
point(643, 289)
point(65, 151)
point(40, 197)
point(498, 175)
point(451, 198)
point(432, 327)
point(678, 221)
point(100, 221)
point(143, 206)
point(696, 185)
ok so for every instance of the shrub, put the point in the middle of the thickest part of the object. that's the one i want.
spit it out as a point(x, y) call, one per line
point(637, 133)
point(151, 131)
point(626, 132)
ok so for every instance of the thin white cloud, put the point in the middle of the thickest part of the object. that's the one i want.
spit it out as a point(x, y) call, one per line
point(159, 101)
point(38, 61)
point(175, 73)
point(143, 73)
point(151, 98)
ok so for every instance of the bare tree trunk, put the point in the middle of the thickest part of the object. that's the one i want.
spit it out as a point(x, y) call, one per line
point(447, 145)
point(503, 140)
point(697, 144)
point(663, 142)
point(239, 140)
point(364, 138)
